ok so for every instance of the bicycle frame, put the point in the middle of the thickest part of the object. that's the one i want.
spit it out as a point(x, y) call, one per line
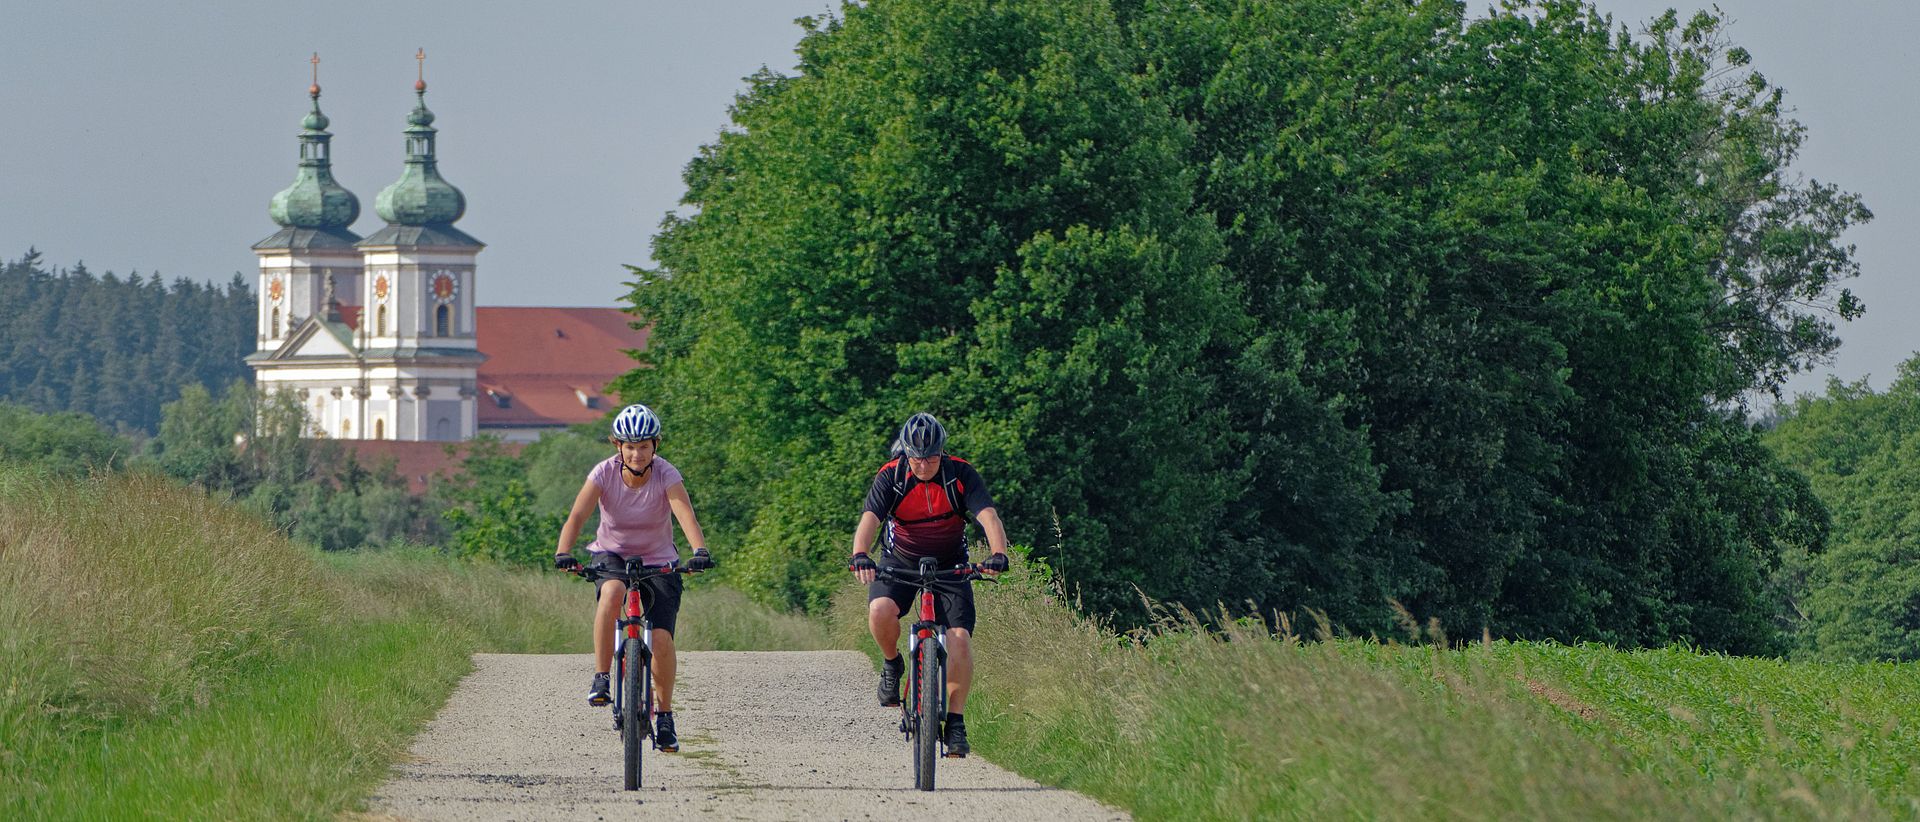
point(632, 625)
point(925, 629)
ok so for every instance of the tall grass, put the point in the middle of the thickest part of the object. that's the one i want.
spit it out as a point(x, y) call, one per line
point(163, 654)
point(1249, 721)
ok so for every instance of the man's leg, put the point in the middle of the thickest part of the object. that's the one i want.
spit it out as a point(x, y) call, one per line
point(959, 668)
point(959, 680)
point(883, 619)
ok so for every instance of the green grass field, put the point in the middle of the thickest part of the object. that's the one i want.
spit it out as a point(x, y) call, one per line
point(165, 655)
point(1253, 722)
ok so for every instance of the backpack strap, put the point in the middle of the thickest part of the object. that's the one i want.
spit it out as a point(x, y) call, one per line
point(949, 482)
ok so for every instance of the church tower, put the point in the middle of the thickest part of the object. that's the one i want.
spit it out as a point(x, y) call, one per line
point(416, 329)
point(310, 266)
point(313, 244)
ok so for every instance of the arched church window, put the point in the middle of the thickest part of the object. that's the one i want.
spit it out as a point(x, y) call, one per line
point(274, 332)
point(346, 429)
point(379, 429)
point(443, 321)
point(443, 429)
point(380, 321)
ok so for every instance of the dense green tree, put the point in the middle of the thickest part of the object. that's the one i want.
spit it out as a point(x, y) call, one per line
point(967, 208)
point(558, 463)
point(117, 349)
point(255, 448)
point(1305, 305)
point(1520, 255)
point(63, 444)
point(1860, 450)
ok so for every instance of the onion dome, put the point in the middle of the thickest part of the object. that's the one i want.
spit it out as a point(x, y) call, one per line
point(314, 200)
point(420, 197)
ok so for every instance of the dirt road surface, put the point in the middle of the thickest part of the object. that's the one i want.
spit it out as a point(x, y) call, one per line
point(763, 735)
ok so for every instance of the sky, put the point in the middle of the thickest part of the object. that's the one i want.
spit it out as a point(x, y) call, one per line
point(149, 135)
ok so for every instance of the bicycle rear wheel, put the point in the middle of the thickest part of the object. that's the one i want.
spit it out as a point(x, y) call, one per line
point(927, 703)
point(633, 709)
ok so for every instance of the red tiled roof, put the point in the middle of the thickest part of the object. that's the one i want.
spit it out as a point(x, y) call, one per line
point(543, 361)
point(419, 463)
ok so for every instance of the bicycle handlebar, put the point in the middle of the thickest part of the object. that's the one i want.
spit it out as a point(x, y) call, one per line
point(964, 573)
point(645, 572)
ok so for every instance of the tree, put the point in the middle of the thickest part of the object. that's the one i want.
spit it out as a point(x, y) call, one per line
point(961, 207)
point(1860, 451)
point(1486, 245)
point(116, 348)
point(1305, 305)
point(64, 444)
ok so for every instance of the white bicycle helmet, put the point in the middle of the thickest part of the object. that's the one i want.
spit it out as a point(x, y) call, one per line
point(635, 423)
point(922, 437)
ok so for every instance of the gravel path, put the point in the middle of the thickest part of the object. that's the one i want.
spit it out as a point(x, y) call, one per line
point(763, 735)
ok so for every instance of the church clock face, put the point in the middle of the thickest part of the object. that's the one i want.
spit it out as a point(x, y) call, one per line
point(445, 287)
point(380, 287)
point(276, 288)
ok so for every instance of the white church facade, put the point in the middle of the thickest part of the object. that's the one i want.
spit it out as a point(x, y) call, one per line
point(379, 336)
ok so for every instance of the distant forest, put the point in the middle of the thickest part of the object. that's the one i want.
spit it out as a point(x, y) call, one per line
point(116, 347)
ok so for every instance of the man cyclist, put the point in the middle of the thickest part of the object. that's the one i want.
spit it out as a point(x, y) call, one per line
point(923, 495)
point(635, 490)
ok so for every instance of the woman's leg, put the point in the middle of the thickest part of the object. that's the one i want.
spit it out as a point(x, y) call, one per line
point(613, 597)
point(663, 670)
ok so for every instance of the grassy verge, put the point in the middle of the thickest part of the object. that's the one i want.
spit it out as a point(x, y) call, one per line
point(163, 655)
point(1179, 723)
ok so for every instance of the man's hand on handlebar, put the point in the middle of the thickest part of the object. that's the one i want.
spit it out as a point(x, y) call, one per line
point(565, 562)
point(995, 565)
point(863, 567)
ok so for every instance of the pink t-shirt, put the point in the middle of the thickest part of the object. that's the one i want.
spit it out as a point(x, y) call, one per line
point(635, 522)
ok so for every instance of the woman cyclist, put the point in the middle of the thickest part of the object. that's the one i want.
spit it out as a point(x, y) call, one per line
point(634, 491)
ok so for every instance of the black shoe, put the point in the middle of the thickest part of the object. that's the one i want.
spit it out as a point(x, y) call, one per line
point(663, 736)
point(890, 672)
point(597, 695)
point(956, 740)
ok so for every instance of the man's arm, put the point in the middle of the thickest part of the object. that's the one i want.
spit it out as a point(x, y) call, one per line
point(863, 536)
point(989, 519)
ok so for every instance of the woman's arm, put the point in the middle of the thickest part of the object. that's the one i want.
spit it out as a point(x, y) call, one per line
point(583, 505)
point(682, 506)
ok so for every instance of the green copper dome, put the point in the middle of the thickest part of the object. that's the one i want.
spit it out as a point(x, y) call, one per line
point(314, 200)
point(420, 197)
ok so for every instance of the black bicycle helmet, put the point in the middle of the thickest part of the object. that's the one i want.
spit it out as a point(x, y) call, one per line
point(922, 437)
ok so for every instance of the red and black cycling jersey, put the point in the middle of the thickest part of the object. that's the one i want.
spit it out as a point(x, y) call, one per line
point(920, 516)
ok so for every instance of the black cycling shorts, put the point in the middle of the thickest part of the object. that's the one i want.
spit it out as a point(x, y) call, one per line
point(952, 604)
point(661, 597)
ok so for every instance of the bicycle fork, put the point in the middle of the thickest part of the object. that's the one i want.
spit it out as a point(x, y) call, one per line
point(630, 628)
point(923, 630)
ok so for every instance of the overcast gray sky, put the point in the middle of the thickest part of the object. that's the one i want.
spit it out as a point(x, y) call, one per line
point(150, 134)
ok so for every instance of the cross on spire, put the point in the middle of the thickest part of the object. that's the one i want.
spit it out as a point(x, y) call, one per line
point(316, 75)
point(420, 84)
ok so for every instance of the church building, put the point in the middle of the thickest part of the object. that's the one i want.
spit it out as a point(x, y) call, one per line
point(379, 336)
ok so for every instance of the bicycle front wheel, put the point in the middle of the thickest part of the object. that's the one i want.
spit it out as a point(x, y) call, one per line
point(633, 710)
point(927, 702)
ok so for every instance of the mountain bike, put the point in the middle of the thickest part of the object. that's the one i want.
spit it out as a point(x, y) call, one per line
point(926, 705)
point(632, 658)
